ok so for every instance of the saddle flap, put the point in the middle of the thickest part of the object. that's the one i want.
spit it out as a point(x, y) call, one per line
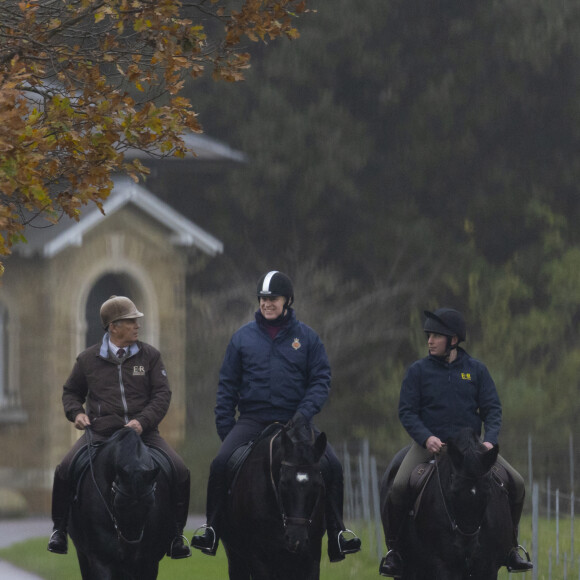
point(418, 480)
point(79, 465)
point(420, 475)
point(500, 475)
point(241, 453)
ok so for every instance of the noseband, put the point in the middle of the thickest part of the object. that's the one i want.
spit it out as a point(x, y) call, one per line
point(118, 490)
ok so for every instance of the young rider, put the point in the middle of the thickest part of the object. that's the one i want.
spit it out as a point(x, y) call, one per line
point(275, 370)
point(440, 394)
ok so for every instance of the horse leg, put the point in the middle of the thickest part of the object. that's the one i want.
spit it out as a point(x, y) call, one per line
point(441, 571)
point(148, 570)
point(84, 565)
point(237, 569)
point(485, 573)
point(309, 570)
point(96, 570)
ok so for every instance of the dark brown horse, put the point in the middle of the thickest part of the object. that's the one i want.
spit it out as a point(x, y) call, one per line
point(274, 522)
point(462, 528)
point(120, 519)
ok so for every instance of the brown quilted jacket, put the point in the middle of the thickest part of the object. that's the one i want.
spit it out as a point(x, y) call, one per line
point(115, 393)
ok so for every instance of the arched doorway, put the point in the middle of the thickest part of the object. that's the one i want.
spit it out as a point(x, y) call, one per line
point(105, 287)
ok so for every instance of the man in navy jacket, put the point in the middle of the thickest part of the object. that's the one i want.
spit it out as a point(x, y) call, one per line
point(275, 370)
point(441, 394)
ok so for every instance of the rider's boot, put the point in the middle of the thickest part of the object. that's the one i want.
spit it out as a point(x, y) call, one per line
point(515, 562)
point(179, 547)
point(392, 564)
point(208, 541)
point(341, 540)
point(58, 542)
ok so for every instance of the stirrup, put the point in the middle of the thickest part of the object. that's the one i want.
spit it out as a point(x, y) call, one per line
point(205, 528)
point(186, 544)
point(62, 549)
point(383, 572)
point(354, 537)
point(517, 549)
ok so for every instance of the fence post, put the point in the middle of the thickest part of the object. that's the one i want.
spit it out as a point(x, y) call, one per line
point(557, 527)
point(571, 447)
point(535, 522)
point(530, 466)
point(363, 465)
point(376, 506)
point(548, 497)
point(349, 493)
point(571, 528)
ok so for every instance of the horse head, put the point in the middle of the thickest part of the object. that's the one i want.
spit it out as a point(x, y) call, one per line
point(301, 487)
point(133, 489)
point(469, 483)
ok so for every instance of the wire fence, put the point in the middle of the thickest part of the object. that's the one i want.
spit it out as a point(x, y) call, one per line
point(551, 540)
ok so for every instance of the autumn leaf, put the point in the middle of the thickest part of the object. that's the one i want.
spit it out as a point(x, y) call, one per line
point(77, 91)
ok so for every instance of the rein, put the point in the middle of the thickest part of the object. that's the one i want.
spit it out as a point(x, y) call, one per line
point(115, 489)
point(454, 525)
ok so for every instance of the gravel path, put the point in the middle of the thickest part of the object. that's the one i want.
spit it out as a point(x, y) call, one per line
point(14, 531)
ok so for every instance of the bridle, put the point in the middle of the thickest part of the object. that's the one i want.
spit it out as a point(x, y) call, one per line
point(118, 490)
point(307, 470)
point(455, 527)
point(115, 489)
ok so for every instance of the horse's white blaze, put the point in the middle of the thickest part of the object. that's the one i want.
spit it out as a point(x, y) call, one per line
point(302, 477)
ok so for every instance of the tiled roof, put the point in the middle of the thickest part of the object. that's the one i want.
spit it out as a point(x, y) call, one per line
point(48, 240)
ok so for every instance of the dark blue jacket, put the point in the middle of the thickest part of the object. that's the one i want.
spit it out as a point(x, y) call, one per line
point(272, 379)
point(438, 399)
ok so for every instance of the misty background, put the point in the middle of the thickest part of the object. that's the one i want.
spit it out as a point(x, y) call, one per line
point(401, 156)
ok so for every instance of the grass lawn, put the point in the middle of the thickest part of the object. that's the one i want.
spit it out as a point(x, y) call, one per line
point(32, 555)
point(554, 560)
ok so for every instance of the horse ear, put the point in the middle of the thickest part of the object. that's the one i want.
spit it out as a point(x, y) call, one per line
point(287, 445)
point(490, 456)
point(454, 454)
point(152, 474)
point(320, 446)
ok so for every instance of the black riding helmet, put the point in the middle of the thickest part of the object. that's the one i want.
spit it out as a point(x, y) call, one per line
point(448, 322)
point(274, 284)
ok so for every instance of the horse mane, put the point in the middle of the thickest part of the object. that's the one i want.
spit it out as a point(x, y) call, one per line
point(130, 450)
point(468, 454)
point(302, 447)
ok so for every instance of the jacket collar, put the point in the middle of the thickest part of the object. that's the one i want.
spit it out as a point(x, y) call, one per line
point(104, 350)
point(460, 354)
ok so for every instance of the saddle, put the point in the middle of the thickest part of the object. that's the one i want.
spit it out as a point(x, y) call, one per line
point(86, 455)
point(422, 473)
point(240, 454)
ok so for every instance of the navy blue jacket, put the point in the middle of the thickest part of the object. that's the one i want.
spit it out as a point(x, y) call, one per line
point(272, 379)
point(439, 398)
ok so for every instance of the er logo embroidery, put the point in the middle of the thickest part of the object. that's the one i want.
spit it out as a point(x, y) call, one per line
point(296, 344)
point(138, 371)
point(466, 376)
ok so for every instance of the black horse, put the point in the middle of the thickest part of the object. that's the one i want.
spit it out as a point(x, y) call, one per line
point(462, 527)
point(120, 518)
point(274, 521)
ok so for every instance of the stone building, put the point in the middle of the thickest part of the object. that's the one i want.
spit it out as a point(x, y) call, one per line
point(49, 304)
